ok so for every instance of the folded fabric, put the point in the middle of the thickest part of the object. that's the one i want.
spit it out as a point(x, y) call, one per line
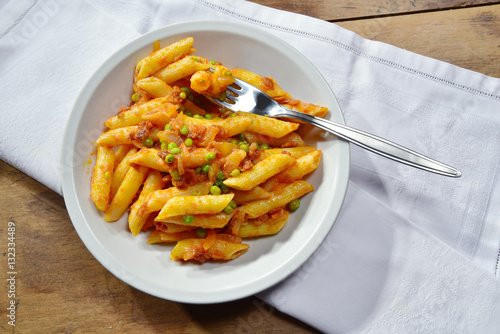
point(385, 275)
point(373, 271)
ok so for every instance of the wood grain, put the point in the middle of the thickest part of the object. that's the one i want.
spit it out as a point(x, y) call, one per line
point(340, 10)
point(466, 37)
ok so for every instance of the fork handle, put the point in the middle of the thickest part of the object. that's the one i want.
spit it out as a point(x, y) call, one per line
point(375, 144)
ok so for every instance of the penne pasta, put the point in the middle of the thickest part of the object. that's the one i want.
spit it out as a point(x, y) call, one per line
point(194, 205)
point(218, 220)
point(262, 171)
point(126, 193)
point(120, 171)
point(278, 199)
point(163, 57)
point(251, 228)
point(154, 181)
point(192, 249)
point(118, 136)
point(157, 199)
point(101, 178)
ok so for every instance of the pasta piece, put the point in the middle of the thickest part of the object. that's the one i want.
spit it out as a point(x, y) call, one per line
point(120, 171)
point(182, 68)
point(154, 87)
point(301, 167)
point(279, 198)
point(251, 195)
point(159, 236)
point(172, 227)
point(121, 153)
point(157, 199)
point(218, 220)
point(192, 249)
point(295, 152)
point(153, 182)
point(230, 126)
point(101, 178)
point(119, 136)
point(268, 126)
point(233, 160)
point(289, 140)
point(194, 205)
point(148, 157)
point(158, 60)
point(133, 180)
point(271, 226)
point(224, 148)
point(133, 115)
point(260, 172)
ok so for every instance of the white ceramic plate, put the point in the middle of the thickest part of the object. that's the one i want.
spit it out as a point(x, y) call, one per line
point(269, 259)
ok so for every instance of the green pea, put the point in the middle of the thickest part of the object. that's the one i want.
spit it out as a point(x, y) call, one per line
point(235, 173)
point(135, 97)
point(294, 205)
point(107, 175)
point(188, 142)
point(188, 113)
point(188, 219)
point(164, 146)
point(220, 175)
point(241, 136)
point(196, 59)
point(168, 127)
point(222, 95)
point(264, 146)
point(184, 130)
point(186, 90)
point(201, 232)
point(198, 116)
point(190, 98)
point(175, 175)
point(208, 116)
point(175, 150)
point(225, 189)
point(228, 209)
point(245, 147)
point(228, 74)
point(169, 158)
point(233, 204)
point(234, 141)
point(198, 170)
point(233, 115)
point(205, 168)
point(213, 62)
point(214, 190)
point(172, 145)
point(216, 117)
point(148, 142)
point(210, 156)
point(218, 183)
point(182, 95)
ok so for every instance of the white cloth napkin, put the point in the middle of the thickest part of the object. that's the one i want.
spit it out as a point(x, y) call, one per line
point(411, 251)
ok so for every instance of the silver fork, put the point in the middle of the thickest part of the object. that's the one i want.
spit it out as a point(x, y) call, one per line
point(248, 98)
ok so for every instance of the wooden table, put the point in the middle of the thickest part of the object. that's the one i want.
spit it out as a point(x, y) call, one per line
point(60, 287)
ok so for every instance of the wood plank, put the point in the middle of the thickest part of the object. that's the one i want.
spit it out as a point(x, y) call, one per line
point(338, 10)
point(473, 42)
point(62, 288)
